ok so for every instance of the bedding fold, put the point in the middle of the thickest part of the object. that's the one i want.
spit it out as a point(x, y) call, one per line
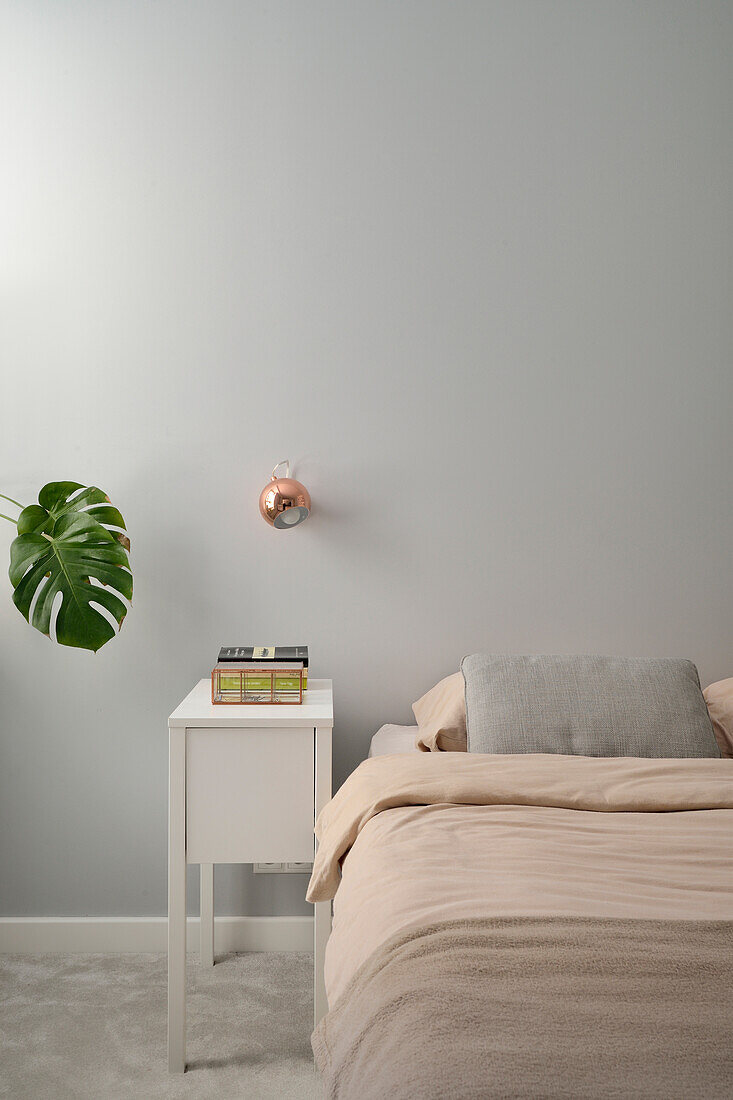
point(603, 785)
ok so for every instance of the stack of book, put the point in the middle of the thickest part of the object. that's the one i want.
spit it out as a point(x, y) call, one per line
point(289, 664)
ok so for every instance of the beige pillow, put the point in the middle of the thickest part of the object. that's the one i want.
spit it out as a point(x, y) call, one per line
point(719, 698)
point(441, 716)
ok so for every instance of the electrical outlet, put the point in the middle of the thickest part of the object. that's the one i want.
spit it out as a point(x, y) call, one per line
point(282, 868)
point(299, 868)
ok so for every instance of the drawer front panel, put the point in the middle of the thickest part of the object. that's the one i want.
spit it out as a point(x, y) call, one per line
point(249, 795)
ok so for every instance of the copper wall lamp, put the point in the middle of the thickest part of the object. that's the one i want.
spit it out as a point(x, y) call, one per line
point(284, 502)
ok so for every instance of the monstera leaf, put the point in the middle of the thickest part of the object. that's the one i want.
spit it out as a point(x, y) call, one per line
point(67, 543)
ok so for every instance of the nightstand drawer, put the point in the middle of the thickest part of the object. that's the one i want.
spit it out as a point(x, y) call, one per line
point(249, 795)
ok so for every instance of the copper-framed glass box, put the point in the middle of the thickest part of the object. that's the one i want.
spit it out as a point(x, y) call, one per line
point(242, 686)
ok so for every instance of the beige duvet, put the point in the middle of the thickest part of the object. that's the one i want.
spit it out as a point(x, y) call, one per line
point(414, 840)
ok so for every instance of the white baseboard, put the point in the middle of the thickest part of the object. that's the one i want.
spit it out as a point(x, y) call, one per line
point(32, 935)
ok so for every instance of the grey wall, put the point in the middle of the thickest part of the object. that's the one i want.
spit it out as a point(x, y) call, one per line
point(467, 264)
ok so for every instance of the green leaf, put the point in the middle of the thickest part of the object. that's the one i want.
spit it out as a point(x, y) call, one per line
point(33, 518)
point(61, 548)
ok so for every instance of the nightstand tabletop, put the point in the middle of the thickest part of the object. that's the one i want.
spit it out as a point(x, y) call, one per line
point(198, 710)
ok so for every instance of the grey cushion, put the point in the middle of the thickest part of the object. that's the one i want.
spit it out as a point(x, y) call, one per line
point(586, 706)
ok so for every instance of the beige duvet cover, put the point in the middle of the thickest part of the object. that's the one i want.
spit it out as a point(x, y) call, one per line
point(412, 840)
point(528, 926)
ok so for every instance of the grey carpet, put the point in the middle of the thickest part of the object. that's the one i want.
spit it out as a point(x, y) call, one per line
point(93, 1027)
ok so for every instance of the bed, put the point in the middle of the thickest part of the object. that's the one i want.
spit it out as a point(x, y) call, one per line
point(527, 925)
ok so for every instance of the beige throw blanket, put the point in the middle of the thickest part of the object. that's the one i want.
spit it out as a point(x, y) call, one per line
point(537, 1008)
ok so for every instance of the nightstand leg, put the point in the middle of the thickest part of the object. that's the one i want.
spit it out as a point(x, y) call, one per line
point(322, 923)
point(207, 914)
point(322, 915)
point(177, 901)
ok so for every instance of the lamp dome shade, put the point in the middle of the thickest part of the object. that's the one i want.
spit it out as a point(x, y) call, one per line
point(284, 502)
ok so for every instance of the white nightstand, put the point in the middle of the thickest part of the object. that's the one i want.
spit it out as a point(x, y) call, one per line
point(245, 784)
